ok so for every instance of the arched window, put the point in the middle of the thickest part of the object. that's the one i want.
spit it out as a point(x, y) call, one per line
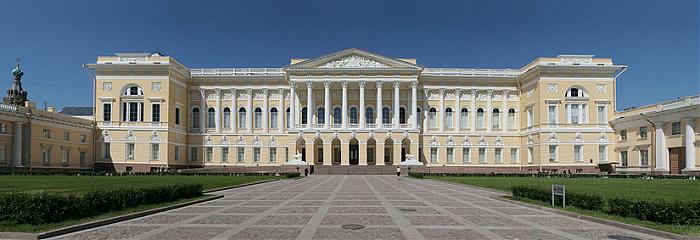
point(258, 118)
point(289, 119)
point(227, 117)
point(511, 118)
point(496, 119)
point(419, 117)
point(241, 118)
point(133, 91)
point(304, 113)
point(369, 115)
point(386, 115)
point(448, 118)
point(353, 115)
point(402, 115)
point(273, 118)
point(464, 118)
point(337, 115)
point(576, 92)
point(432, 118)
point(321, 116)
point(194, 119)
point(211, 118)
point(132, 104)
point(480, 118)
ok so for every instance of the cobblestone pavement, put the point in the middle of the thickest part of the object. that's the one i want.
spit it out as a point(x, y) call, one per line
point(317, 208)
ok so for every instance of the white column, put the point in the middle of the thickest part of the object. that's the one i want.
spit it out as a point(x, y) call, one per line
point(293, 105)
point(441, 111)
point(504, 112)
point(362, 105)
point(309, 105)
point(662, 163)
point(457, 112)
point(488, 113)
point(397, 104)
point(281, 113)
point(378, 109)
point(472, 114)
point(426, 110)
point(265, 115)
point(217, 110)
point(689, 144)
point(249, 113)
point(202, 111)
point(17, 145)
point(344, 114)
point(414, 105)
point(327, 104)
point(234, 110)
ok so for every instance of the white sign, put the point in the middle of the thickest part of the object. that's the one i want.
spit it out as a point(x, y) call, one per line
point(559, 190)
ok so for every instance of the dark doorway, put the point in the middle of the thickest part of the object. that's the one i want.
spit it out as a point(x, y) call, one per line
point(354, 152)
point(676, 157)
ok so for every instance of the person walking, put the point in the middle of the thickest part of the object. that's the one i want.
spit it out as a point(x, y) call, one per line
point(398, 173)
point(306, 172)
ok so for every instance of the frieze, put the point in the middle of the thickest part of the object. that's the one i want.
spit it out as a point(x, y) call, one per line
point(354, 61)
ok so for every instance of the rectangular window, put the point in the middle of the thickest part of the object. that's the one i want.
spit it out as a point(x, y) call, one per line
point(603, 153)
point(46, 153)
point(643, 132)
point(177, 153)
point(530, 117)
point(177, 115)
point(644, 157)
point(256, 154)
point(209, 154)
point(514, 155)
point(676, 128)
point(241, 118)
point(433, 155)
point(574, 114)
point(155, 114)
point(224, 154)
point(482, 155)
point(450, 155)
point(3, 153)
point(623, 135)
point(133, 112)
point(623, 159)
point(466, 157)
point(83, 138)
point(552, 153)
point(3, 128)
point(106, 112)
point(552, 113)
point(47, 133)
point(578, 154)
point(602, 115)
point(286, 154)
point(240, 154)
point(82, 158)
point(273, 154)
point(66, 135)
point(155, 151)
point(193, 154)
point(498, 155)
point(64, 156)
point(530, 155)
point(130, 151)
point(107, 152)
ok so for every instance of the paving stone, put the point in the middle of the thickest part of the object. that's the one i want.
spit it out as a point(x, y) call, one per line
point(110, 232)
point(557, 222)
point(433, 221)
point(450, 234)
point(355, 210)
point(526, 234)
point(298, 210)
point(408, 203)
point(601, 233)
point(519, 211)
point(306, 203)
point(418, 211)
point(223, 219)
point(357, 219)
point(284, 220)
point(366, 233)
point(493, 221)
point(262, 203)
point(356, 203)
point(163, 219)
point(260, 233)
point(246, 209)
point(192, 209)
point(189, 233)
point(469, 211)
point(221, 203)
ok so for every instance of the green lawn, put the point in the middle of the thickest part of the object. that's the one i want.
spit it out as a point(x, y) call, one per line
point(81, 184)
point(674, 189)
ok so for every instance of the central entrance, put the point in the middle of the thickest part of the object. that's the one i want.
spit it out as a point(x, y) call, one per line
point(354, 152)
point(676, 157)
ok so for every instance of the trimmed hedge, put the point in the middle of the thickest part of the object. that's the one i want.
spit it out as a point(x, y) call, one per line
point(292, 174)
point(656, 210)
point(50, 207)
point(416, 175)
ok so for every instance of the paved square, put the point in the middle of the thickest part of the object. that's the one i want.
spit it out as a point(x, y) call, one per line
point(318, 207)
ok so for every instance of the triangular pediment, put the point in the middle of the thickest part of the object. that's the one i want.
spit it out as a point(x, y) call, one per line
point(354, 59)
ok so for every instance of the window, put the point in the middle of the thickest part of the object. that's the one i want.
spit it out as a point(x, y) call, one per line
point(3, 153)
point(209, 154)
point(155, 151)
point(575, 92)
point(448, 118)
point(273, 154)
point(603, 153)
point(227, 118)
point(303, 115)
point(482, 155)
point(644, 157)
point(386, 115)
point(643, 132)
point(132, 110)
point(450, 155)
point(552, 114)
point(130, 151)
point(107, 151)
point(480, 118)
point(177, 115)
point(497, 153)
point(193, 154)
point(353, 115)
point(369, 118)
point(289, 119)
point(577, 113)
point(574, 114)
point(133, 91)
point(81, 157)
point(83, 138)
point(286, 154)
point(496, 119)
point(211, 118)
point(258, 118)
point(224, 154)
point(195, 118)
point(552, 153)
point(65, 153)
point(106, 112)
point(578, 154)
point(433, 155)
point(273, 118)
point(530, 116)
point(66, 135)
point(321, 116)
point(530, 155)
point(177, 153)
point(256, 154)
point(466, 157)
point(419, 119)
point(46, 132)
point(240, 154)
point(676, 128)
point(241, 118)
point(623, 159)
point(514, 155)
point(623, 135)
point(464, 118)
point(46, 153)
point(3, 128)
point(602, 115)
point(155, 114)
point(511, 118)
point(402, 115)
point(337, 115)
point(432, 121)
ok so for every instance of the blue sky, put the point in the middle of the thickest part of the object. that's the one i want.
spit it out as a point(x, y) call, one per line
point(657, 39)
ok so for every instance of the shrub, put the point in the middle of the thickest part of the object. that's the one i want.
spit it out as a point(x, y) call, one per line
point(416, 175)
point(581, 200)
point(292, 174)
point(585, 201)
point(49, 207)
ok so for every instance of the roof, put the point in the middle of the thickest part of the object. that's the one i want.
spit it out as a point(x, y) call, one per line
point(77, 111)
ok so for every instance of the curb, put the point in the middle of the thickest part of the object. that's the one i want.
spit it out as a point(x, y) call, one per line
point(238, 186)
point(646, 230)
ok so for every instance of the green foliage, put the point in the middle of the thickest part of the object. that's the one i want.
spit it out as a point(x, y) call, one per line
point(292, 174)
point(49, 207)
point(416, 175)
